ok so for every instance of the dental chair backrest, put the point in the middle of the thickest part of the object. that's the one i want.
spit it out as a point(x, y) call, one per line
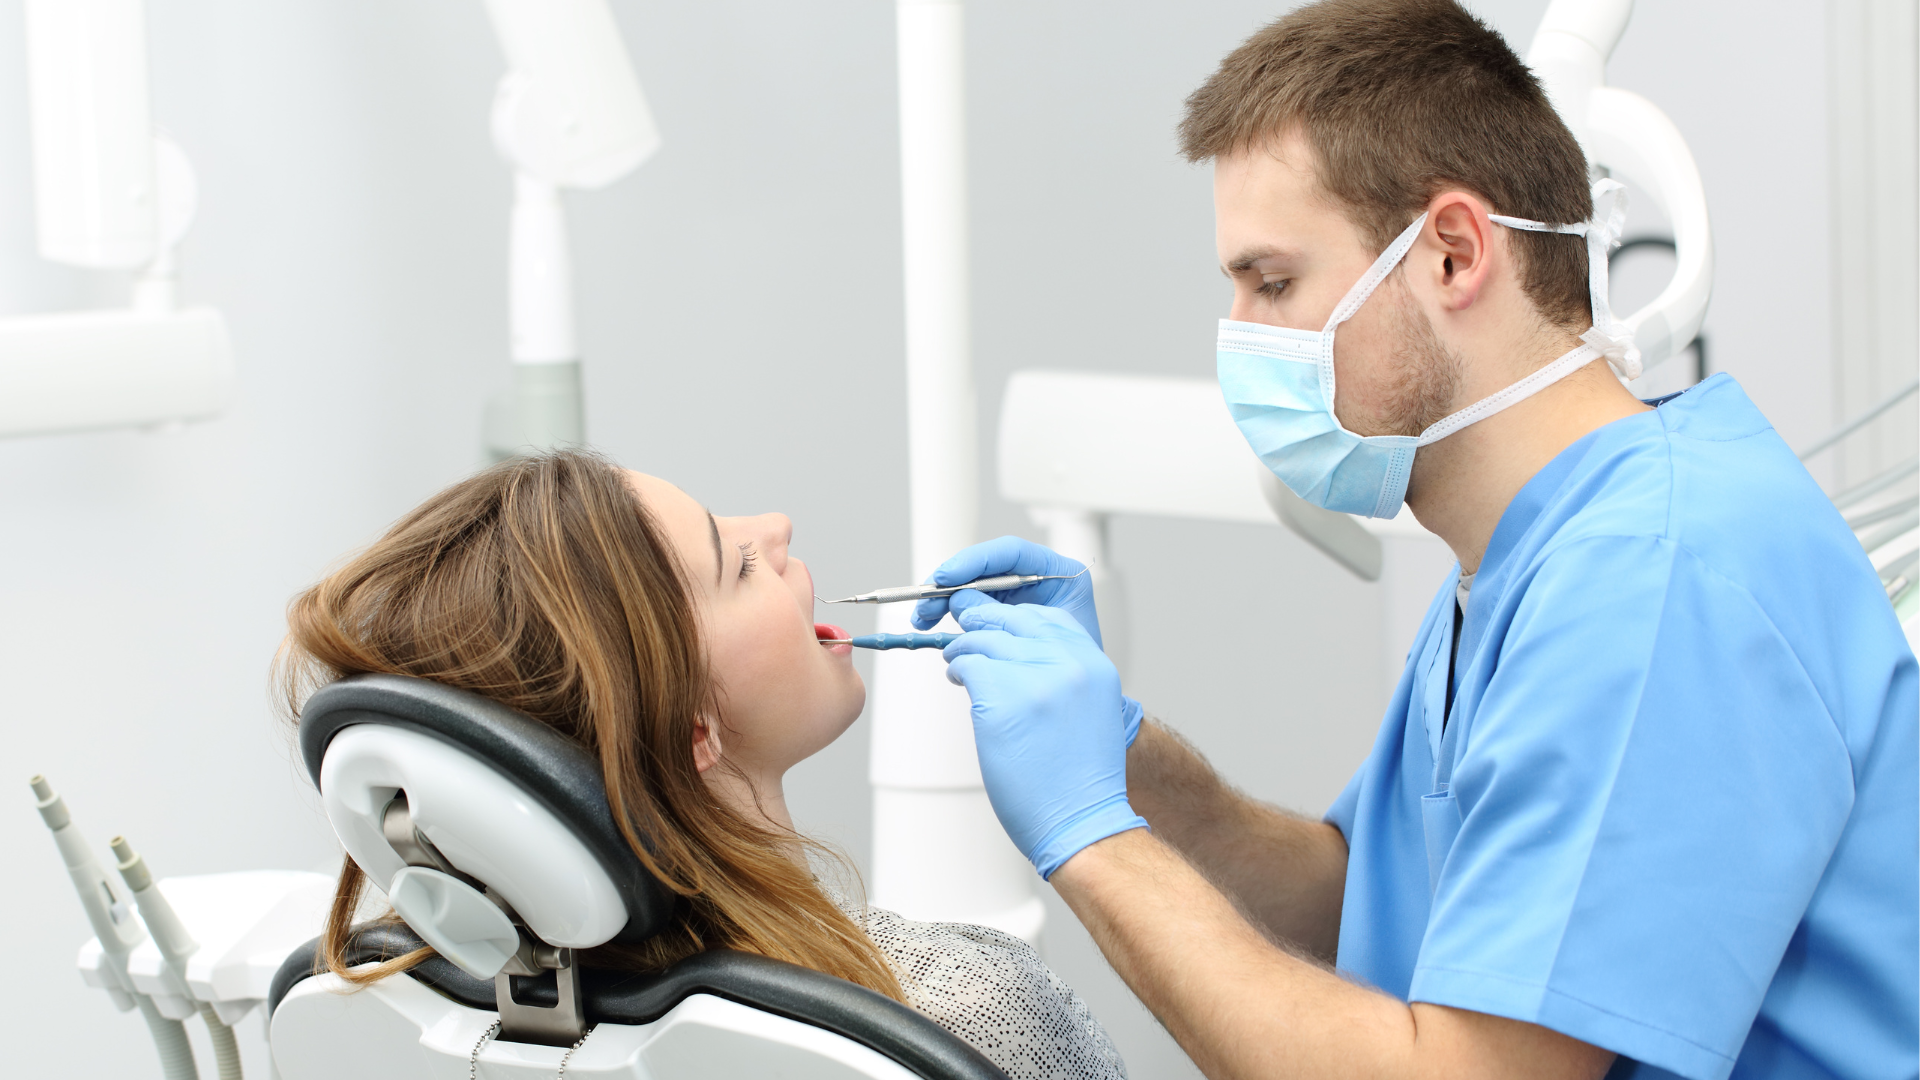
point(491, 835)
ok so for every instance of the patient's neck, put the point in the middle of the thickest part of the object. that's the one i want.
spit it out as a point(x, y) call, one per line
point(760, 797)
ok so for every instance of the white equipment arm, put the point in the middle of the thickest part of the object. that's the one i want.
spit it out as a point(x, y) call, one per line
point(1077, 444)
point(569, 113)
point(109, 194)
point(1632, 138)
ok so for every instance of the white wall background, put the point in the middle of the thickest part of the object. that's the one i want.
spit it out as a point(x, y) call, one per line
point(352, 229)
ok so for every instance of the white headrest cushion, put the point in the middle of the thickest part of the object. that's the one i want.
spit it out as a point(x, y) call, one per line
point(483, 823)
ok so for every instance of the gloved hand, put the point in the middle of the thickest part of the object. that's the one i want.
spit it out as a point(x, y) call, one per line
point(1049, 726)
point(1013, 555)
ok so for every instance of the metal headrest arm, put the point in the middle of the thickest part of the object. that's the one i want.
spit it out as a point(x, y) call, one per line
point(566, 1021)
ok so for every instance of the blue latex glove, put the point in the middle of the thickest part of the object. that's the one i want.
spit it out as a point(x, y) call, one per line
point(1048, 723)
point(1013, 555)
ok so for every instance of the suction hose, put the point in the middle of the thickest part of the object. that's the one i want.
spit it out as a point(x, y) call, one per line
point(115, 928)
point(175, 944)
point(226, 1052)
point(170, 1039)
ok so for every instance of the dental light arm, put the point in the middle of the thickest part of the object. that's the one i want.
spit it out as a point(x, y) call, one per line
point(1633, 139)
point(109, 194)
point(569, 113)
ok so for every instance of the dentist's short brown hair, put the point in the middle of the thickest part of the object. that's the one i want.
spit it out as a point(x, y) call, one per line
point(1401, 100)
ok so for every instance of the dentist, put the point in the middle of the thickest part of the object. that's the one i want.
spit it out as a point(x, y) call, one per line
point(1646, 801)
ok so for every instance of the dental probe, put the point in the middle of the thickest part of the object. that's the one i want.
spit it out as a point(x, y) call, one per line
point(894, 641)
point(902, 593)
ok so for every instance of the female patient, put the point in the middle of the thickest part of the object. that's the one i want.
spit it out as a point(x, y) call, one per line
point(680, 649)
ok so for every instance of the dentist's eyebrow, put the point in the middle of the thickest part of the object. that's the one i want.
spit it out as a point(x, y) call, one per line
point(1247, 258)
point(719, 561)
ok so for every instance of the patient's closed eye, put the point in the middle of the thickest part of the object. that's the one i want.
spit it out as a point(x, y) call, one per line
point(749, 559)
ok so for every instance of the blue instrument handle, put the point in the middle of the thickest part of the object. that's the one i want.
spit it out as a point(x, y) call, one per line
point(904, 641)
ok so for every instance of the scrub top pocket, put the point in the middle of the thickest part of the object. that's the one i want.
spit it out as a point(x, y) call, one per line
point(1440, 821)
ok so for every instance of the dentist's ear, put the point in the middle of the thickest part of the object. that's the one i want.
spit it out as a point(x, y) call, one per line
point(706, 744)
point(1454, 248)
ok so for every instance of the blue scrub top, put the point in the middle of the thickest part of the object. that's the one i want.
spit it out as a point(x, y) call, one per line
point(1675, 811)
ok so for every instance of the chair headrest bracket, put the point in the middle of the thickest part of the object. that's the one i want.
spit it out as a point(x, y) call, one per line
point(562, 1025)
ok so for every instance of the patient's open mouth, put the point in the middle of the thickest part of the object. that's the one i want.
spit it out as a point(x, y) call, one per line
point(842, 642)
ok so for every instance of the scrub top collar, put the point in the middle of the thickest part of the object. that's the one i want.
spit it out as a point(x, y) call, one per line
point(1490, 581)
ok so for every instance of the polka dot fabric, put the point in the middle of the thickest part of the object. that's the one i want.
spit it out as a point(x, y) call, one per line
point(993, 990)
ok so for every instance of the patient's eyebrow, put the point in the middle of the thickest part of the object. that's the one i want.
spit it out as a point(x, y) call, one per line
point(719, 563)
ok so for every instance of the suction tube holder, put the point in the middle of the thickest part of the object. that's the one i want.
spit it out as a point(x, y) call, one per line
point(1632, 139)
point(110, 911)
point(176, 946)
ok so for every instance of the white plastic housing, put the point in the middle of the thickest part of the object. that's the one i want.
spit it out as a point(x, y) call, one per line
point(928, 832)
point(923, 762)
point(93, 144)
point(483, 824)
point(102, 369)
point(570, 111)
point(245, 923)
point(539, 276)
point(398, 1029)
point(1635, 141)
point(1148, 444)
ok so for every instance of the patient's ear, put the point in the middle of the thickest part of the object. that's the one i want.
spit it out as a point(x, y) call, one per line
point(706, 744)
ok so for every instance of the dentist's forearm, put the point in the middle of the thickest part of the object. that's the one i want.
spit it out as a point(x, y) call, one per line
point(1244, 1009)
point(1287, 873)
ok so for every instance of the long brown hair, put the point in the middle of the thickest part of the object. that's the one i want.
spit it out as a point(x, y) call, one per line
point(545, 584)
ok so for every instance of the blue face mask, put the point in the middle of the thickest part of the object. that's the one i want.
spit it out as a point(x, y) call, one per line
point(1278, 382)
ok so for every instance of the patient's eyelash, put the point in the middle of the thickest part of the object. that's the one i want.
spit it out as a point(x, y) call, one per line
point(748, 559)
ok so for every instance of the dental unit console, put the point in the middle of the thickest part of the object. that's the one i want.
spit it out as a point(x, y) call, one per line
point(177, 948)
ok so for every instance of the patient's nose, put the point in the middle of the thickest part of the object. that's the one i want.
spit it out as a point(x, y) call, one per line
point(773, 532)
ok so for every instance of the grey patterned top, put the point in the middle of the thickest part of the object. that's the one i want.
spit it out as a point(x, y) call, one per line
point(994, 991)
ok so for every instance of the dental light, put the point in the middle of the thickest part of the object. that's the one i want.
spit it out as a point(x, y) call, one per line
point(110, 194)
point(569, 113)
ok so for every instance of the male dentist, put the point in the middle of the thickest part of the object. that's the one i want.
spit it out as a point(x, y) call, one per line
point(1646, 801)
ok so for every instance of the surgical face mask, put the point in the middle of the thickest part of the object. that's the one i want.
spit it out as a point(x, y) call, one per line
point(1278, 382)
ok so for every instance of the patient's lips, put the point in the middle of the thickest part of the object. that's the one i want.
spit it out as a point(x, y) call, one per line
point(829, 632)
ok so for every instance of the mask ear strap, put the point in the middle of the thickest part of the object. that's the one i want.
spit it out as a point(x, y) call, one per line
point(1610, 336)
point(1375, 274)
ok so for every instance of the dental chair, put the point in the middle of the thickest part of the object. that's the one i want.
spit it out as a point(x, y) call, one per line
point(492, 837)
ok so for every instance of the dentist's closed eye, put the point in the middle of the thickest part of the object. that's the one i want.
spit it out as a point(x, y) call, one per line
point(749, 559)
